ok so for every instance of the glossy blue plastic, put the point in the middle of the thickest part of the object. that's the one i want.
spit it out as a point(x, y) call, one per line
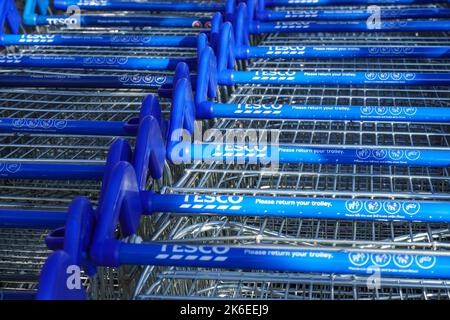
point(328, 14)
point(306, 3)
point(84, 81)
point(93, 62)
point(298, 207)
point(139, 6)
point(55, 275)
point(286, 259)
point(243, 50)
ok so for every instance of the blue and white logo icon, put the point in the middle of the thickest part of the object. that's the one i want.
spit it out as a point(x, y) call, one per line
point(366, 110)
point(395, 110)
point(381, 110)
point(160, 80)
point(403, 260)
point(380, 259)
point(32, 123)
point(12, 167)
point(363, 154)
point(358, 258)
point(148, 79)
point(372, 206)
point(18, 123)
point(396, 75)
point(122, 60)
point(392, 207)
point(395, 154)
point(383, 75)
point(60, 124)
point(136, 79)
point(374, 50)
point(110, 60)
point(411, 208)
point(426, 262)
point(99, 60)
point(410, 76)
point(410, 111)
point(379, 154)
point(46, 123)
point(412, 154)
point(354, 206)
point(371, 75)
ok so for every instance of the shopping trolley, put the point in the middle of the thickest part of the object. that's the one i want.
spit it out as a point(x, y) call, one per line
point(49, 219)
point(77, 111)
point(350, 183)
point(197, 202)
point(361, 10)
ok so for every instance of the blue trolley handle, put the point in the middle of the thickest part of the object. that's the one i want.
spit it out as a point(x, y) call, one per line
point(262, 14)
point(97, 40)
point(150, 106)
point(107, 251)
point(138, 6)
point(84, 81)
point(207, 109)
point(315, 3)
point(93, 62)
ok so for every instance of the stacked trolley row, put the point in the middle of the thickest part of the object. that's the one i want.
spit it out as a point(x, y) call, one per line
point(379, 241)
point(66, 94)
point(358, 144)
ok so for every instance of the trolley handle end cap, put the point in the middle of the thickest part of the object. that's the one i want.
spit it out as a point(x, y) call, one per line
point(54, 278)
point(207, 78)
point(226, 59)
point(10, 16)
point(216, 26)
point(150, 151)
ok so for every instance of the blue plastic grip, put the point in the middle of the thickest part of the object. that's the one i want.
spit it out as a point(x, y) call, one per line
point(230, 77)
point(317, 112)
point(297, 207)
point(286, 259)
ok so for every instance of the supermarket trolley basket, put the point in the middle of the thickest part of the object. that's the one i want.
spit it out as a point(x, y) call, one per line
point(212, 244)
point(17, 283)
point(355, 11)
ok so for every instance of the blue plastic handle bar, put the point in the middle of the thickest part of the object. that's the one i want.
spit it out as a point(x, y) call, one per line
point(84, 81)
point(183, 152)
point(9, 16)
point(31, 219)
point(331, 112)
point(355, 14)
point(304, 3)
point(55, 171)
point(229, 77)
point(79, 127)
point(320, 208)
point(351, 26)
point(98, 40)
point(17, 295)
point(285, 259)
point(342, 52)
point(93, 62)
point(119, 21)
point(138, 6)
